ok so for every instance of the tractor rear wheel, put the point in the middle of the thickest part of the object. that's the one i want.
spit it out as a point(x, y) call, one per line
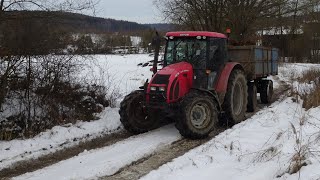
point(266, 91)
point(252, 97)
point(134, 116)
point(235, 101)
point(197, 115)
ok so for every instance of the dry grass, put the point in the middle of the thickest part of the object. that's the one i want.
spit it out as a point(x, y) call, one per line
point(311, 99)
point(312, 75)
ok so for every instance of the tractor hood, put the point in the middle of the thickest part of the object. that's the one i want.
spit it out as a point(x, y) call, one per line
point(176, 79)
point(176, 69)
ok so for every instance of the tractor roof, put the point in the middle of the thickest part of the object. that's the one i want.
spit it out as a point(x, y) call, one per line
point(195, 33)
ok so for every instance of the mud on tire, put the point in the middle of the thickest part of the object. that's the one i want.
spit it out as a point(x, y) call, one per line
point(134, 117)
point(197, 115)
point(235, 101)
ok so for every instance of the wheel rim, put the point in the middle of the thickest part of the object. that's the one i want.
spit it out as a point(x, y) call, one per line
point(200, 115)
point(237, 100)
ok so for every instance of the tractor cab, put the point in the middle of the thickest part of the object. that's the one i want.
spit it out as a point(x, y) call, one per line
point(201, 49)
point(205, 51)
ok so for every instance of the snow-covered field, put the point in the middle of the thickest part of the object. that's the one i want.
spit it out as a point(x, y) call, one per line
point(119, 71)
point(121, 74)
point(266, 146)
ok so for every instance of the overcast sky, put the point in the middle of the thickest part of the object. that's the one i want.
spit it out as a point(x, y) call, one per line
point(141, 11)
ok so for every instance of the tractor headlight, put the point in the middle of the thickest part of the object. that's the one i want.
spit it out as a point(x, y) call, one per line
point(162, 89)
point(152, 88)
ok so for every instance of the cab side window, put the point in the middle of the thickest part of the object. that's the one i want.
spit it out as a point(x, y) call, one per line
point(217, 53)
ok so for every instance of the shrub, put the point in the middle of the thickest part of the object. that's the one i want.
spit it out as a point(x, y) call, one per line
point(39, 92)
point(311, 99)
point(309, 76)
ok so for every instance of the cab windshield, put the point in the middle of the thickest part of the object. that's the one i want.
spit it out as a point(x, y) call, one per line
point(191, 50)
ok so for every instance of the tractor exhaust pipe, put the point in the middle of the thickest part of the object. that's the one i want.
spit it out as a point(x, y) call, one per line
point(156, 44)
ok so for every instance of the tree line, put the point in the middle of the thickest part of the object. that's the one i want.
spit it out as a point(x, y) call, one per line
point(42, 32)
point(247, 17)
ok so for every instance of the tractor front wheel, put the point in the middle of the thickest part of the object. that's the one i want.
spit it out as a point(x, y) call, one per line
point(134, 116)
point(197, 116)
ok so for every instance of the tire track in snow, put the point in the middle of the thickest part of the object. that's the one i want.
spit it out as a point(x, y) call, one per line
point(108, 160)
point(144, 166)
point(23, 167)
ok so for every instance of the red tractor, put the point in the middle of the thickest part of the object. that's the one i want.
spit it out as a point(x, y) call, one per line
point(202, 80)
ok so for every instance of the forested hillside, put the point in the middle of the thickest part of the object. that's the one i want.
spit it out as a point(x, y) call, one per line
point(71, 22)
point(44, 32)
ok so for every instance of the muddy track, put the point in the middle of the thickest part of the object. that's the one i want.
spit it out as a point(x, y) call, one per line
point(23, 167)
point(145, 165)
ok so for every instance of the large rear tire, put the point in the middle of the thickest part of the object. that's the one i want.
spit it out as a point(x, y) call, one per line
point(235, 101)
point(135, 117)
point(266, 91)
point(252, 97)
point(197, 115)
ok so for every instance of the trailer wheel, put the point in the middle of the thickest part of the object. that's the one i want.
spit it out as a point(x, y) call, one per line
point(235, 101)
point(266, 91)
point(252, 97)
point(197, 115)
point(134, 116)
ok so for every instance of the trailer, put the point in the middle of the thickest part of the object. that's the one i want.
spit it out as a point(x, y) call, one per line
point(257, 61)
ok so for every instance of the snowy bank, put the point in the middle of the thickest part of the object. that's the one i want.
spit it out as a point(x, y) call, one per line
point(266, 146)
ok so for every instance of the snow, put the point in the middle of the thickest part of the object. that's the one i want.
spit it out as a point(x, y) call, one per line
point(57, 138)
point(263, 147)
point(135, 40)
point(107, 160)
point(119, 71)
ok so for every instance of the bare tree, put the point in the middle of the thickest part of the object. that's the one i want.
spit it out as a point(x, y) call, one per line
point(52, 5)
point(244, 17)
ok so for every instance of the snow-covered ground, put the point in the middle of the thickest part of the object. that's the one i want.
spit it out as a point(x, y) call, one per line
point(120, 71)
point(107, 160)
point(58, 138)
point(263, 147)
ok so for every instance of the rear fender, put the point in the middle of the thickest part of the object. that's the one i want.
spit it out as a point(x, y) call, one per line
point(222, 83)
